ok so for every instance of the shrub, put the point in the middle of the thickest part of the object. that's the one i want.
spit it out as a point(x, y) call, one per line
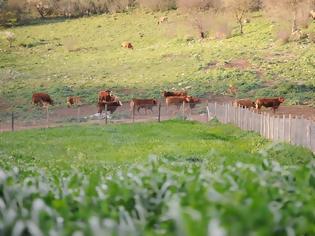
point(10, 37)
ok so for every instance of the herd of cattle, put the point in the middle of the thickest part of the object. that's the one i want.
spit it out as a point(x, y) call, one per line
point(106, 100)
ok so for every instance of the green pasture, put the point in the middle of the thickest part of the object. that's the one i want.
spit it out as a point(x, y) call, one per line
point(82, 56)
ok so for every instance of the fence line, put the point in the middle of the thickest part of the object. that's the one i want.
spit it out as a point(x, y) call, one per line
point(294, 130)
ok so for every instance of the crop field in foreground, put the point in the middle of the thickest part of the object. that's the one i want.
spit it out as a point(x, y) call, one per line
point(171, 178)
point(81, 56)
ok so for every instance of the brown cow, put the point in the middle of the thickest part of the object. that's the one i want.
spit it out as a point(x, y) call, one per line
point(192, 101)
point(105, 96)
point(73, 100)
point(127, 45)
point(147, 104)
point(176, 100)
point(111, 106)
point(162, 19)
point(174, 93)
point(42, 99)
point(232, 89)
point(244, 103)
point(274, 103)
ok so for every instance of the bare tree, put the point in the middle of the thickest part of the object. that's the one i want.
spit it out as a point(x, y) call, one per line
point(294, 11)
point(10, 37)
point(239, 10)
point(43, 7)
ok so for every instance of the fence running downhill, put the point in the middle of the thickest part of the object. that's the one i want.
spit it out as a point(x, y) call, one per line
point(294, 130)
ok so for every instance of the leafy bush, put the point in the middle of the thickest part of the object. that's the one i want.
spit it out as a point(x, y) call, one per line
point(161, 197)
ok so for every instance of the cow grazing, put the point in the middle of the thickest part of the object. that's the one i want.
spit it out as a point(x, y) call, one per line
point(244, 103)
point(174, 93)
point(162, 19)
point(192, 101)
point(147, 104)
point(42, 99)
point(274, 103)
point(105, 96)
point(176, 100)
point(111, 106)
point(73, 100)
point(127, 45)
point(232, 90)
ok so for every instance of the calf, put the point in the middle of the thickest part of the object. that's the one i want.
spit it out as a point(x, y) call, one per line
point(244, 103)
point(111, 106)
point(42, 99)
point(192, 101)
point(176, 100)
point(73, 100)
point(127, 45)
point(105, 96)
point(147, 104)
point(274, 103)
point(174, 93)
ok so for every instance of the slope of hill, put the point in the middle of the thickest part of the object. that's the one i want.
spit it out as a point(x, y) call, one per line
point(81, 56)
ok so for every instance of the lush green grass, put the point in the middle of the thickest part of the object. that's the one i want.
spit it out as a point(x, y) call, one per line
point(172, 178)
point(84, 55)
point(90, 146)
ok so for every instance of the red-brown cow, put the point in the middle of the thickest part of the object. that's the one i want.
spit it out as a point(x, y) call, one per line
point(42, 99)
point(176, 100)
point(174, 93)
point(105, 96)
point(147, 104)
point(111, 106)
point(244, 103)
point(193, 101)
point(73, 100)
point(274, 103)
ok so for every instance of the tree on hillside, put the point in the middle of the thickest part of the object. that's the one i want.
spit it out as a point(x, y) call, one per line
point(43, 7)
point(200, 13)
point(239, 10)
point(294, 11)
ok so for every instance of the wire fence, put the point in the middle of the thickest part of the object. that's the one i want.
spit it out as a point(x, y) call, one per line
point(42, 117)
point(283, 128)
point(294, 130)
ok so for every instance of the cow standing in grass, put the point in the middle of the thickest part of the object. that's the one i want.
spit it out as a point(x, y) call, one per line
point(174, 93)
point(274, 103)
point(111, 106)
point(42, 99)
point(147, 104)
point(244, 103)
point(73, 100)
point(105, 96)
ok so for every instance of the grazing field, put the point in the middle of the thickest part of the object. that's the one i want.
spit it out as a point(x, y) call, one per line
point(169, 178)
point(81, 56)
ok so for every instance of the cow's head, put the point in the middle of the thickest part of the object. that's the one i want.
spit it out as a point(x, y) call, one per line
point(154, 101)
point(281, 99)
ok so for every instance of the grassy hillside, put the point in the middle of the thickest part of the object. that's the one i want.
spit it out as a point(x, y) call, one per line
point(84, 55)
point(198, 179)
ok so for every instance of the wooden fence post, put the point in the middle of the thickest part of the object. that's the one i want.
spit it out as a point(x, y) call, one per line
point(272, 128)
point(226, 113)
point(290, 128)
point(215, 109)
point(78, 114)
point(133, 114)
point(106, 121)
point(208, 112)
point(47, 116)
point(283, 127)
point(309, 135)
point(159, 115)
point(183, 110)
point(12, 121)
